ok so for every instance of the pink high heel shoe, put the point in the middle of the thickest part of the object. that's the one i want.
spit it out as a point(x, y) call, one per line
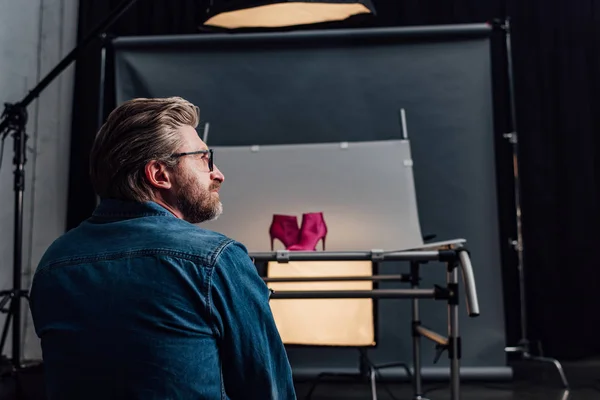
point(285, 229)
point(312, 230)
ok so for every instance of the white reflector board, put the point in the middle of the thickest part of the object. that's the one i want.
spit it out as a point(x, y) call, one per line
point(364, 189)
point(323, 322)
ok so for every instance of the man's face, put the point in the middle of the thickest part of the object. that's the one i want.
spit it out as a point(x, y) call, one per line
point(196, 188)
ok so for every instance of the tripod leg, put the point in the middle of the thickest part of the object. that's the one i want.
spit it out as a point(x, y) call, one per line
point(557, 364)
point(565, 395)
point(373, 384)
point(5, 331)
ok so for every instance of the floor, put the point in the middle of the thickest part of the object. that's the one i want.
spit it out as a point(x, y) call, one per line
point(532, 382)
point(435, 392)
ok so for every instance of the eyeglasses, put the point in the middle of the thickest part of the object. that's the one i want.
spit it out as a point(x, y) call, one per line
point(209, 152)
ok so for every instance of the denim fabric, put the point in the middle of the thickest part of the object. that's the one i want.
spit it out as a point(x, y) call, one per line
point(137, 304)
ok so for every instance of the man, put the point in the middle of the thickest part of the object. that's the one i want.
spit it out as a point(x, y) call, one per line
point(139, 303)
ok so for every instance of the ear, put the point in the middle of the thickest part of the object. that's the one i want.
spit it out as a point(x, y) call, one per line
point(158, 175)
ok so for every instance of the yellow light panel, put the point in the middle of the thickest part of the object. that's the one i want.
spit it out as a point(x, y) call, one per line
point(323, 322)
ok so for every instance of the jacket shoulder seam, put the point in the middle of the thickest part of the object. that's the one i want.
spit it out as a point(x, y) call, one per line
point(124, 254)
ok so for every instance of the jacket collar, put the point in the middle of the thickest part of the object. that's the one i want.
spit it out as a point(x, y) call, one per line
point(129, 209)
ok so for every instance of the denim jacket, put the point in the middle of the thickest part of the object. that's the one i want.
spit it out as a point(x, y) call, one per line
point(137, 304)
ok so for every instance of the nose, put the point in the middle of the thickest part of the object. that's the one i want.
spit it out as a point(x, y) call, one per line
point(216, 174)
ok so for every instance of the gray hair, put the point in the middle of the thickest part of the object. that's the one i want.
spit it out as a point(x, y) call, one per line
point(135, 133)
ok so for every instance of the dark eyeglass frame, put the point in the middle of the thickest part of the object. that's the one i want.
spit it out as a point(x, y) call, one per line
point(210, 158)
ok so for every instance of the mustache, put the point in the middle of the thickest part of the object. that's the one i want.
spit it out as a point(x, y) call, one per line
point(215, 185)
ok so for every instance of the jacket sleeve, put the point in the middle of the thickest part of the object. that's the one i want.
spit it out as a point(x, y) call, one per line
point(253, 357)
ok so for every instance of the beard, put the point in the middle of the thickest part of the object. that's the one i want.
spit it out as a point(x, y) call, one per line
point(195, 202)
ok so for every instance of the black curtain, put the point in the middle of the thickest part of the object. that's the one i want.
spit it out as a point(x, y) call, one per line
point(556, 53)
point(556, 61)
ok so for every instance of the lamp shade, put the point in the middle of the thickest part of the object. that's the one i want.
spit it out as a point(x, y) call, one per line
point(237, 14)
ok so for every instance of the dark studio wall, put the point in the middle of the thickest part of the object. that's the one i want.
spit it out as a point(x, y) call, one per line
point(556, 62)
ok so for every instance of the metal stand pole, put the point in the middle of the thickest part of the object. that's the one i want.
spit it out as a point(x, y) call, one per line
point(416, 321)
point(14, 119)
point(524, 346)
point(454, 345)
point(102, 91)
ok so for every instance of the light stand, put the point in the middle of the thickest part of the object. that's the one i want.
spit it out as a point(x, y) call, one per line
point(13, 122)
point(524, 346)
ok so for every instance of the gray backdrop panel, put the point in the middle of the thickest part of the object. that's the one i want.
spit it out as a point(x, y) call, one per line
point(333, 86)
